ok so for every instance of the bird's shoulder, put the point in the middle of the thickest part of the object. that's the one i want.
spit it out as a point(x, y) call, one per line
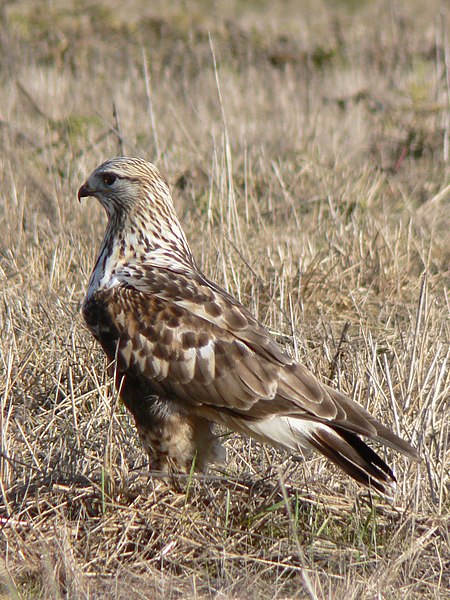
point(189, 301)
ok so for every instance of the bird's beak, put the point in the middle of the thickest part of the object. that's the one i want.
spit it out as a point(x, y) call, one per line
point(84, 191)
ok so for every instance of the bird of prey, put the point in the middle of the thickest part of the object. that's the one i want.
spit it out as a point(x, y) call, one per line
point(187, 354)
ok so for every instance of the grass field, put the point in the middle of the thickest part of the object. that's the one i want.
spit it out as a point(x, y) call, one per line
point(307, 146)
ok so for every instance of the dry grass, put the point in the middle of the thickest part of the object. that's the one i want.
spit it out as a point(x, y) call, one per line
point(311, 171)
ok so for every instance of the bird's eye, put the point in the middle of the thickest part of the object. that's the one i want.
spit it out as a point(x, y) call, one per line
point(109, 179)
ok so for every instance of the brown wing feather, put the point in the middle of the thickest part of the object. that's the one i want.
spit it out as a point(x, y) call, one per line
point(207, 300)
point(220, 357)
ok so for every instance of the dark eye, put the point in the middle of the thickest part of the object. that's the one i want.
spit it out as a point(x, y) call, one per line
point(109, 178)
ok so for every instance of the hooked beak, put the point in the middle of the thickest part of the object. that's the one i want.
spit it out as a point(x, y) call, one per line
point(84, 191)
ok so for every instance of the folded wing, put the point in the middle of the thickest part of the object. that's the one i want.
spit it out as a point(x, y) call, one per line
point(194, 343)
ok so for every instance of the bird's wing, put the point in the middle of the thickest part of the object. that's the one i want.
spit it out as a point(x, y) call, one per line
point(193, 341)
point(204, 299)
point(199, 344)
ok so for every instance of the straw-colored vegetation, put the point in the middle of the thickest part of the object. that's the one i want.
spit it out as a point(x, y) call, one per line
point(307, 146)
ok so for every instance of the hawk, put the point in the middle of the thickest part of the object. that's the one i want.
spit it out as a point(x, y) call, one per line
point(187, 354)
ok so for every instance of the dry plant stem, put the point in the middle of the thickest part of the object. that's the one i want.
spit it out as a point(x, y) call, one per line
point(292, 192)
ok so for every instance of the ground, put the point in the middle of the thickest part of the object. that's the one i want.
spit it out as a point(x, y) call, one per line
point(307, 146)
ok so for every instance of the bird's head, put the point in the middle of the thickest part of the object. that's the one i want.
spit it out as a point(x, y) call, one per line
point(139, 205)
point(123, 185)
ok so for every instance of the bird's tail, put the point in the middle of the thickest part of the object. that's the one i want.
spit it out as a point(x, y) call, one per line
point(339, 445)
